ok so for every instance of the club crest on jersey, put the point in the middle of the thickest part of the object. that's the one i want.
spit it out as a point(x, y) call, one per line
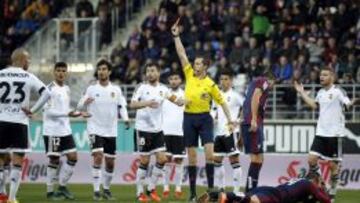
point(228, 99)
point(205, 96)
point(161, 93)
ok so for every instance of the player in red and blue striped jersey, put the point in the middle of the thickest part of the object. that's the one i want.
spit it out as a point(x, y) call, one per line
point(252, 125)
point(302, 190)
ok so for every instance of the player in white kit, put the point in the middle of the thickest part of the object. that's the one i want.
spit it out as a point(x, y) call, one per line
point(174, 136)
point(16, 85)
point(225, 142)
point(327, 144)
point(58, 139)
point(103, 101)
point(148, 100)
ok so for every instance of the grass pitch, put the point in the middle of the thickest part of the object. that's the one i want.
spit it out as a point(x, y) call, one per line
point(35, 193)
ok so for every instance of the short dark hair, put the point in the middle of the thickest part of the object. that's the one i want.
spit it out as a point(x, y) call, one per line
point(327, 68)
point(178, 73)
point(60, 64)
point(104, 62)
point(227, 72)
point(152, 64)
point(206, 60)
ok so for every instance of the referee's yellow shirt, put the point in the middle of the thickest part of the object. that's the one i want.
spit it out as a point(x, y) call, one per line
point(200, 92)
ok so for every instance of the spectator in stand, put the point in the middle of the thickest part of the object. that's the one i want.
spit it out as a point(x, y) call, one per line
point(283, 71)
point(38, 11)
point(150, 21)
point(120, 9)
point(134, 52)
point(316, 50)
point(105, 28)
point(133, 73)
point(163, 36)
point(300, 49)
point(135, 36)
point(260, 24)
point(231, 21)
point(104, 5)
point(151, 51)
point(251, 51)
point(313, 77)
point(25, 26)
point(236, 53)
point(11, 12)
point(84, 5)
point(269, 50)
point(285, 49)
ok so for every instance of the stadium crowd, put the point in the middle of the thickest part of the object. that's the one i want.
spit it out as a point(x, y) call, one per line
point(293, 38)
point(20, 18)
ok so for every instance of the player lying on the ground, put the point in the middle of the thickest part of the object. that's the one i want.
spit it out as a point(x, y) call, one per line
point(308, 190)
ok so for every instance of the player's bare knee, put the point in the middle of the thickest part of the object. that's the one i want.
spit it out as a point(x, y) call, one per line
point(18, 158)
point(257, 158)
point(312, 160)
point(234, 159)
point(98, 157)
point(218, 159)
point(109, 166)
point(54, 160)
point(72, 157)
point(144, 160)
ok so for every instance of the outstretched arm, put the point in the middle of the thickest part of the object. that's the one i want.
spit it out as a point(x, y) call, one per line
point(308, 100)
point(180, 50)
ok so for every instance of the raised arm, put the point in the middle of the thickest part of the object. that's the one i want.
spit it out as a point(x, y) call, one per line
point(180, 50)
point(308, 100)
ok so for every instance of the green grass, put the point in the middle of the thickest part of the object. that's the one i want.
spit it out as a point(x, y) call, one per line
point(35, 193)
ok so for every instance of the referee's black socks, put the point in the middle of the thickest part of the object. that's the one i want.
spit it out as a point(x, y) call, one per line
point(209, 167)
point(192, 180)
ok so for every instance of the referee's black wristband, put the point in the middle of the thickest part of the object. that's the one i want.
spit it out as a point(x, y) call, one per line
point(175, 36)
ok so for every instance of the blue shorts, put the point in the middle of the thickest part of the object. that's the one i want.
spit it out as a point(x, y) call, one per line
point(195, 125)
point(253, 141)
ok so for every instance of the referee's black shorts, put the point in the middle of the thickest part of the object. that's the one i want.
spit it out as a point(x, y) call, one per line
point(198, 125)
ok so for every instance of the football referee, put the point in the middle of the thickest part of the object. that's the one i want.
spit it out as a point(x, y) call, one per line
point(200, 90)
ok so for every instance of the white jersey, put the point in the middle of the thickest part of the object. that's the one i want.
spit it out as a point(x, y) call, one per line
point(235, 102)
point(55, 116)
point(15, 87)
point(173, 115)
point(104, 110)
point(331, 122)
point(150, 119)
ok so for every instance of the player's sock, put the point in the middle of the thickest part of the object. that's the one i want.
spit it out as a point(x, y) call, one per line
point(314, 169)
point(66, 172)
point(6, 177)
point(209, 167)
point(219, 177)
point(333, 184)
point(253, 176)
point(179, 170)
point(96, 174)
point(14, 181)
point(167, 169)
point(192, 180)
point(237, 172)
point(51, 173)
point(2, 180)
point(107, 178)
point(157, 172)
point(140, 179)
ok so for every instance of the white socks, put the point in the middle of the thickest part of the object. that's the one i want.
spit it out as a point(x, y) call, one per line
point(96, 174)
point(14, 181)
point(66, 172)
point(140, 179)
